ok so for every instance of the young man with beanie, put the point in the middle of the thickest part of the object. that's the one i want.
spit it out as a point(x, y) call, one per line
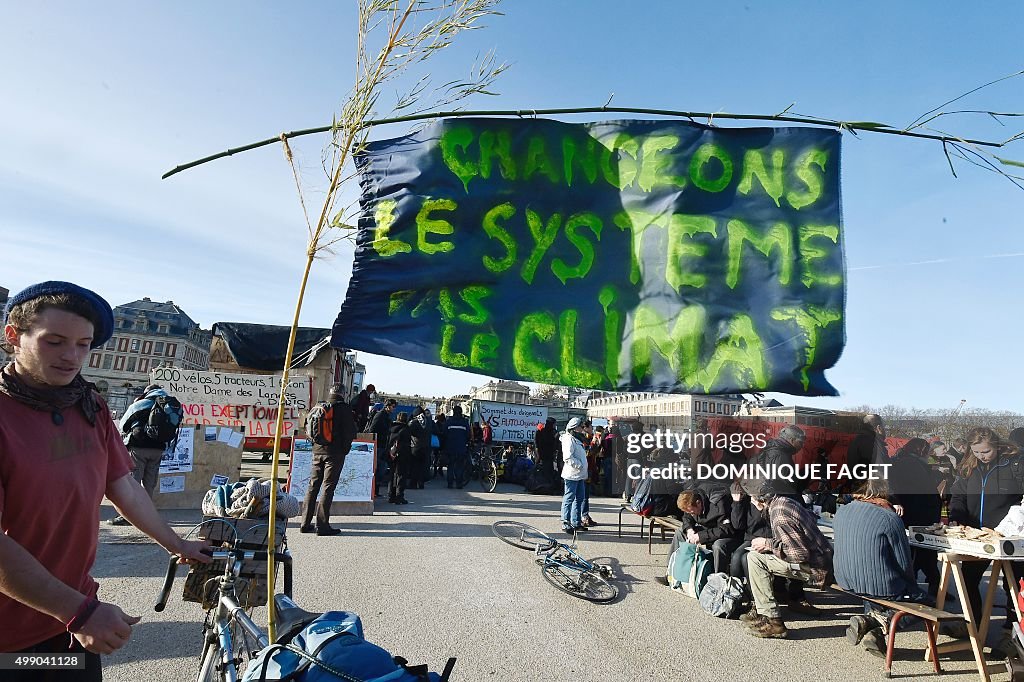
point(328, 461)
point(574, 475)
point(59, 442)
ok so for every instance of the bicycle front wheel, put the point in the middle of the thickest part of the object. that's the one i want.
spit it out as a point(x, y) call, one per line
point(521, 535)
point(488, 475)
point(585, 584)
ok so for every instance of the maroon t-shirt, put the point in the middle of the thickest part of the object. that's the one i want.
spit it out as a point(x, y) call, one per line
point(52, 480)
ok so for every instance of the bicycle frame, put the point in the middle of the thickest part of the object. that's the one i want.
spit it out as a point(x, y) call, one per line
point(573, 560)
point(219, 646)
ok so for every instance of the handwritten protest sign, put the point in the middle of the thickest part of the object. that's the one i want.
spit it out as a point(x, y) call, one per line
point(624, 255)
point(512, 423)
point(222, 388)
point(239, 400)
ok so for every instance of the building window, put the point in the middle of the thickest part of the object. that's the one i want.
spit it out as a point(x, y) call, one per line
point(110, 343)
point(135, 345)
point(107, 360)
point(163, 328)
point(122, 344)
point(131, 363)
point(171, 349)
point(158, 347)
point(94, 360)
point(143, 364)
point(147, 347)
point(119, 362)
point(140, 325)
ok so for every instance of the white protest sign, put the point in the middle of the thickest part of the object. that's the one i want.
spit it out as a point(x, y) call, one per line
point(242, 401)
point(510, 422)
point(222, 388)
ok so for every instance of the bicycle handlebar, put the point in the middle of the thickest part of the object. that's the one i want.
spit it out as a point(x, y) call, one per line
point(215, 555)
point(172, 570)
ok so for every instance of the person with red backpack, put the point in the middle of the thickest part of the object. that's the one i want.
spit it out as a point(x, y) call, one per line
point(149, 426)
point(332, 428)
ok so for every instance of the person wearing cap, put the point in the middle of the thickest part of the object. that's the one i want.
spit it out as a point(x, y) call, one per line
point(796, 550)
point(456, 440)
point(574, 476)
point(58, 443)
point(145, 451)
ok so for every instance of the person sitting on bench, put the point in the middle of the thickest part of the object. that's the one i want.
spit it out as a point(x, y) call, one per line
point(706, 521)
point(873, 558)
point(796, 550)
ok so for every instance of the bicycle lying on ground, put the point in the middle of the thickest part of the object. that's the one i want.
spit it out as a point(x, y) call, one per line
point(559, 563)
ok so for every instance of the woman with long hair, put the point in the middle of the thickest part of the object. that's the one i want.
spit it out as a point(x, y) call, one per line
point(991, 481)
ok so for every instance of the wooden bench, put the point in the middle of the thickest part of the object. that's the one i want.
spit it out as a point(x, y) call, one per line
point(663, 522)
point(624, 507)
point(931, 616)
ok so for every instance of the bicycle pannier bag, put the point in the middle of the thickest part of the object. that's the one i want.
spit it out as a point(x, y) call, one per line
point(688, 569)
point(332, 648)
point(721, 595)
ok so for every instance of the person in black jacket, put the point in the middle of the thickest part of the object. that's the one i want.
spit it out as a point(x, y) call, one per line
point(991, 481)
point(868, 447)
point(380, 426)
point(546, 440)
point(328, 461)
point(401, 435)
point(421, 426)
point(779, 451)
point(706, 517)
point(914, 491)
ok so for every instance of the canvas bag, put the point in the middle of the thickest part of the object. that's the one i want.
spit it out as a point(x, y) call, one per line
point(721, 595)
point(688, 569)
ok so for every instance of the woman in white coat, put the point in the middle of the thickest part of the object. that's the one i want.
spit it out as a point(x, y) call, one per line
point(574, 475)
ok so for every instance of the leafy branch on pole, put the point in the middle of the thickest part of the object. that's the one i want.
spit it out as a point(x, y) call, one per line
point(977, 152)
point(411, 32)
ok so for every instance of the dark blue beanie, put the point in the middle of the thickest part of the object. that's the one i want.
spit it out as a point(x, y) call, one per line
point(104, 327)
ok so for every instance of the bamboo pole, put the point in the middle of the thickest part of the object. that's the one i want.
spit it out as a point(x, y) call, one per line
point(863, 126)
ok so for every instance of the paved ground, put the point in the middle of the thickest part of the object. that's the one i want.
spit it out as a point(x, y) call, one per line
point(430, 581)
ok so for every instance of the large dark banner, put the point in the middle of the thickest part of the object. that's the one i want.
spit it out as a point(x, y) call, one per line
point(622, 255)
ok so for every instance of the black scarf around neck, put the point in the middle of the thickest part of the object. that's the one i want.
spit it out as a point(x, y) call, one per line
point(54, 399)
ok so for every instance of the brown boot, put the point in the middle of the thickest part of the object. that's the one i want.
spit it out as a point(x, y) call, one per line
point(771, 628)
point(751, 616)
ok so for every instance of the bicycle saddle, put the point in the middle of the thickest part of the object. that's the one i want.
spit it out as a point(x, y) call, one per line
point(291, 617)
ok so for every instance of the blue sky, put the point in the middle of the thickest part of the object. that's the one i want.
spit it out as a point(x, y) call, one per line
point(101, 98)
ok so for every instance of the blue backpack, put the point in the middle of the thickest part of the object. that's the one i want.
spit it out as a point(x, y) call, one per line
point(332, 648)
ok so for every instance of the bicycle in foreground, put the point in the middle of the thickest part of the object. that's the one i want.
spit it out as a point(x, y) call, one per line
point(230, 637)
point(560, 564)
point(233, 644)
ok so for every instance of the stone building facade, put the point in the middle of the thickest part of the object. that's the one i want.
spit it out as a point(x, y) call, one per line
point(147, 334)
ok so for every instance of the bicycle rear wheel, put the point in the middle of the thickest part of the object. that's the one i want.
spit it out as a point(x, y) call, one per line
point(583, 583)
point(521, 535)
point(488, 475)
